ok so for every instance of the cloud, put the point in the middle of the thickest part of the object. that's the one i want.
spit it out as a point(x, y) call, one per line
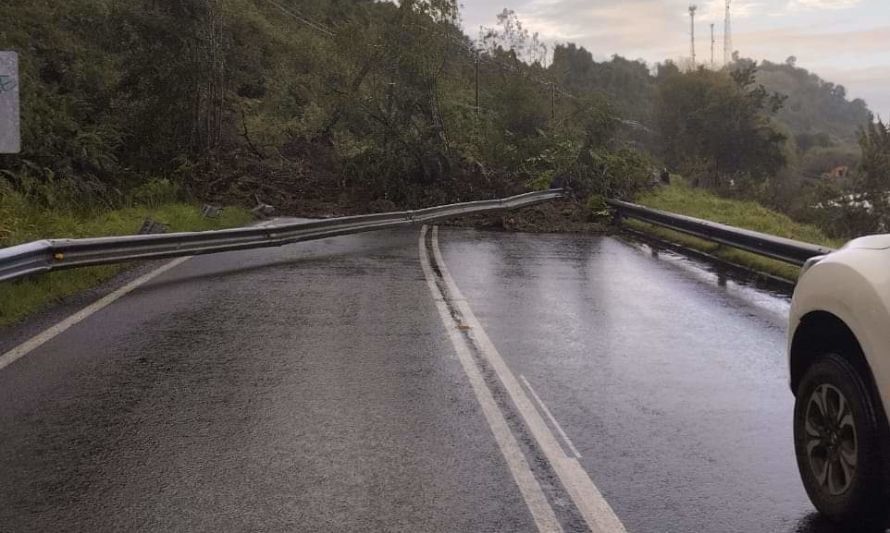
point(654, 29)
point(634, 26)
point(809, 45)
point(741, 9)
point(821, 4)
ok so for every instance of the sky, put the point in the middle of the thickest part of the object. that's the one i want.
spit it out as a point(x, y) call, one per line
point(843, 41)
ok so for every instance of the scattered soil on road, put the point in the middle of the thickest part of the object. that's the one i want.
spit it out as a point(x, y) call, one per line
point(560, 216)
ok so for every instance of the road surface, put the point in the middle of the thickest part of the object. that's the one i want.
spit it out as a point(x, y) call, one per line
point(479, 381)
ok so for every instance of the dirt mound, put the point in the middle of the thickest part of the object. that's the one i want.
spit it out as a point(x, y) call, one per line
point(559, 216)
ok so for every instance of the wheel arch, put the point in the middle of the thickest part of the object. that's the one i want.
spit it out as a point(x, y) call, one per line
point(819, 331)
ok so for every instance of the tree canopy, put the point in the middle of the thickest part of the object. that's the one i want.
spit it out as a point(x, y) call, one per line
point(361, 102)
point(717, 124)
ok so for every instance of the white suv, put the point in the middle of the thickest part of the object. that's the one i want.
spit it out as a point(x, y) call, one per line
point(839, 354)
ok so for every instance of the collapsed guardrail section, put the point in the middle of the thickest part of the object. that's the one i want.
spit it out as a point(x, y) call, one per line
point(778, 248)
point(54, 254)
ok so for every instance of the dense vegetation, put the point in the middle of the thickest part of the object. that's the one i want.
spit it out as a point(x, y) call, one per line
point(347, 102)
point(339, 105)
point(717, 127)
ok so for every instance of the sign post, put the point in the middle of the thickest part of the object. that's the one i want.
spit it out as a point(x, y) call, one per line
point(10, 119)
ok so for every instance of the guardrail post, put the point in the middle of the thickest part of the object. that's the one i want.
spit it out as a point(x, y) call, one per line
point(616, 216)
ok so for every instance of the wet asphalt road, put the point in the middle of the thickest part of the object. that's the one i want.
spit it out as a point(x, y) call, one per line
point(672, 388)
point(313, 388)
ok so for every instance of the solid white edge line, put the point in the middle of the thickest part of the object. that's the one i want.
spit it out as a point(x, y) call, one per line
point(587, 498)
point(541, 510)
point(550, 416)
point(35, 342)
point(48, 334)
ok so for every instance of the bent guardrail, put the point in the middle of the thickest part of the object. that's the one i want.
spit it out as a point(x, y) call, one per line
point(779, 248)
point(54, 254)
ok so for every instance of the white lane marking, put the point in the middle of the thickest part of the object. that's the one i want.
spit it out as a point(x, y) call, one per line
point(542, 512)
point(41, 338)
point(550, 416)
point(587, 498)
point(34, 342)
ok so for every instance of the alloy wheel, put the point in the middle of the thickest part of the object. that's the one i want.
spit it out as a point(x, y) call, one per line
point(831, 441)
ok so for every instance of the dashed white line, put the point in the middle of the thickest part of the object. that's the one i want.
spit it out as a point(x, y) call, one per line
point(550, 416)
point(591, 504)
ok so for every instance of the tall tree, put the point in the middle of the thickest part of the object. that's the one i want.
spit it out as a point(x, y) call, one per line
point(874, 171)
point(716, 125)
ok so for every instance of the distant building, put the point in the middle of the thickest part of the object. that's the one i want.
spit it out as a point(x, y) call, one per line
point(839, 172)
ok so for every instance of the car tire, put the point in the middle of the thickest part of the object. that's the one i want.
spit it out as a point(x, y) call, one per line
point(838, 442)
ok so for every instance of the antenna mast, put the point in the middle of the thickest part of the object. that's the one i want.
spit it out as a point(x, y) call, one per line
point(727, 36)
point(712, 45)
point(692, 9)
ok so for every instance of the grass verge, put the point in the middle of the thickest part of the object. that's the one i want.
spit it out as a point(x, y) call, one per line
point(20, 224)
point(685, 200)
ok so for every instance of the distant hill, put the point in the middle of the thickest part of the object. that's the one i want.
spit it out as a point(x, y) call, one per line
point(816, 109)
point(814, 105)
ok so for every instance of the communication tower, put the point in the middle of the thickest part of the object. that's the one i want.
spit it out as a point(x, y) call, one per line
point(692, 9)
point(727, 36)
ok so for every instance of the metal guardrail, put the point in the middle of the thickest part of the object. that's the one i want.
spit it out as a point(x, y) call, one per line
point(54, 254)
point(781, 249)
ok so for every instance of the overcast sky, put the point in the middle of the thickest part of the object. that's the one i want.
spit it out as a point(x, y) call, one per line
point(844, 41)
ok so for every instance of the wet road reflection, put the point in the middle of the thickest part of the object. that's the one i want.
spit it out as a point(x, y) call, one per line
point(669, 378)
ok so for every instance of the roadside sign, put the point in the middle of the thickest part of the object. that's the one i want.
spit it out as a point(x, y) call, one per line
point(10, 121)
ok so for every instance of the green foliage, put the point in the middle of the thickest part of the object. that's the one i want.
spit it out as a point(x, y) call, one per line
point(874, 170)
point(614, 174)
point(862, 206)
point(156, 192)
point(838, 211)
point(820, 160)
point(715, 126)
point(679, 197)
point(808, 141)
point(68, 136)
point(374, 100)
point(856, 203)
point(22, 221)
point(626, 83)
point(557, 158)
point(596, 205)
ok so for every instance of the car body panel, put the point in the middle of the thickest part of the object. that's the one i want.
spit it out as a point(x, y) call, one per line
point(853, 284)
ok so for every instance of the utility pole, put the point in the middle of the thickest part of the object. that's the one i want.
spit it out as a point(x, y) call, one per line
point(692, 9)
point(727, 36)
point(712, 45)
point(478, 48)
point(477, 83)
point(552, 101)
